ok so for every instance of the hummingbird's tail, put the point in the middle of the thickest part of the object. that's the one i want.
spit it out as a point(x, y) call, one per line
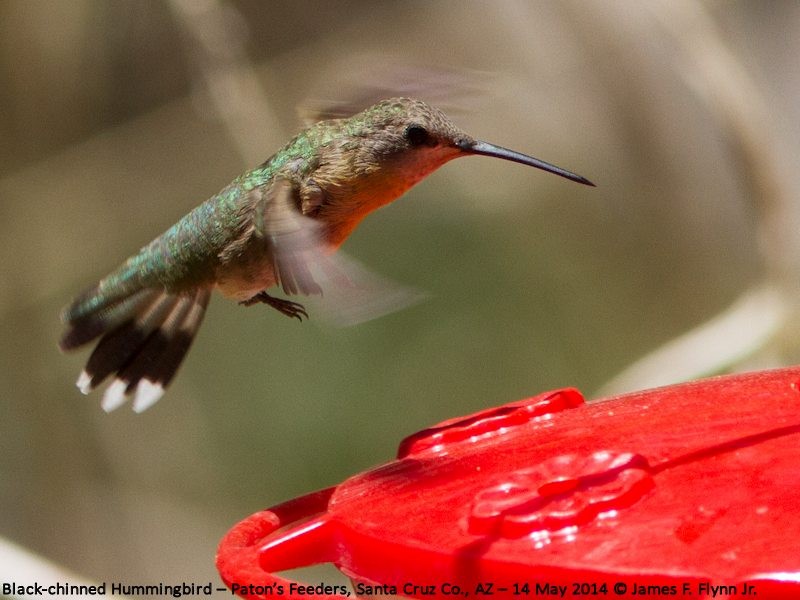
point(144, 336)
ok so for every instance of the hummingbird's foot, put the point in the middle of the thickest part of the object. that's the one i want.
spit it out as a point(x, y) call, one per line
point(286, 307)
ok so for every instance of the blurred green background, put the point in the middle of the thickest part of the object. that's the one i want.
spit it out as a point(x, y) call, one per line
point(118, 117)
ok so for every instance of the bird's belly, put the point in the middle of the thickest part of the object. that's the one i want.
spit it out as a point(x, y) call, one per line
point(245, 281)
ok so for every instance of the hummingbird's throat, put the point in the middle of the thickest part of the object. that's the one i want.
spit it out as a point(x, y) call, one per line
point(375, 181)
point(368, 193)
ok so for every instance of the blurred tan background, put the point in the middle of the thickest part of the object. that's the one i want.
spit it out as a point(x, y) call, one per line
point(116, 118)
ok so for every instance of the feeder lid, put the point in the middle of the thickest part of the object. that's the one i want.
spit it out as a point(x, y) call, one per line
point(688, 485)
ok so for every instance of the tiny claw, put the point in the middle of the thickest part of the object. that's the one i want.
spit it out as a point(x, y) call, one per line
point(285, 307)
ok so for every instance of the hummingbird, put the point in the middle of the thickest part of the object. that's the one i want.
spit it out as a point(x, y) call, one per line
point(276, 225)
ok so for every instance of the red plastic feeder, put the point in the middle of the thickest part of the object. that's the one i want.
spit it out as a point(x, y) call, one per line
point(684, 491)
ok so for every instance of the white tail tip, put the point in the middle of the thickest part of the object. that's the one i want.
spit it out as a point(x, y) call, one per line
point(84, 383)
point(147, 394)
point(114, 396)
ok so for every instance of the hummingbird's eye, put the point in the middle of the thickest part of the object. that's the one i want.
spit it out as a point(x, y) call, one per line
point(417, 135)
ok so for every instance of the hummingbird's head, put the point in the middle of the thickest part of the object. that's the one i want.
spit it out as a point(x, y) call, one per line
point(373, 157)
point(409, 136)
point(418, 138)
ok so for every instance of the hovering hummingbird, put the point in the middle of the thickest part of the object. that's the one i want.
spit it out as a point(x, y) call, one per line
point(276, 225)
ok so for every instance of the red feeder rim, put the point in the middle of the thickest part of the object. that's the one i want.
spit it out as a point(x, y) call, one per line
point(689, 490)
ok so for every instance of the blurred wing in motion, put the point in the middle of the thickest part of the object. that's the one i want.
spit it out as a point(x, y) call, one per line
point(448, 88)
point(304, 264)
point(294, 241)
point(354, 294)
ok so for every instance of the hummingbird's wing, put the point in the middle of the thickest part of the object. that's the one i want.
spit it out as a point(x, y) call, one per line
point(294, 241)
point(304, 263)
point(357, 294)
point(370, 80)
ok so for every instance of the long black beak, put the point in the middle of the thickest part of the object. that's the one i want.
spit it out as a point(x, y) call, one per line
point(486, 149)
